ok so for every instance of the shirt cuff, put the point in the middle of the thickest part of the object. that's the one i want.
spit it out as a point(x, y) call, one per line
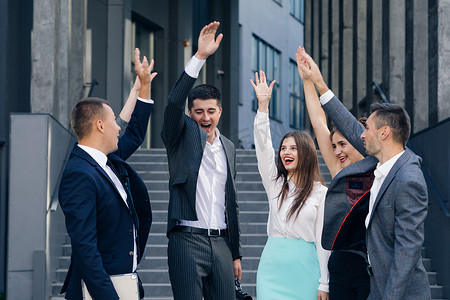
point(262, 115)
point(149, 101)
point(327, 96)
point(194, 66)
point(324, 287)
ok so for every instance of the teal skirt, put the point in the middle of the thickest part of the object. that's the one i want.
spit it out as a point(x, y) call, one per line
point(288, 269)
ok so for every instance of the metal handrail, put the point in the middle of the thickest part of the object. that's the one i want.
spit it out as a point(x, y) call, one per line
point(91, 84)
point(380, 92)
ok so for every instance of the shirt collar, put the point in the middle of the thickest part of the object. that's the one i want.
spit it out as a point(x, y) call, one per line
point(383, 170)
point(216, 139)
point(97, 155)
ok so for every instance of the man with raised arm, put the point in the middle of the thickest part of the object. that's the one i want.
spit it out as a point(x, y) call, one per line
point(398, 201)
point(105, 202)
point(204, 250)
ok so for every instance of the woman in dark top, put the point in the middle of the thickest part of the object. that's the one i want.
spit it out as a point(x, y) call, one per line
point(349, 277)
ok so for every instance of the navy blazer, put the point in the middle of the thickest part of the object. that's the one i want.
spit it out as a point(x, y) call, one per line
point(97, 219)
point(185, 142)
point(395, 233)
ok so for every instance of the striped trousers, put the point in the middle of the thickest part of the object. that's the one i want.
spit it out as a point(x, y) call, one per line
point(200, 265)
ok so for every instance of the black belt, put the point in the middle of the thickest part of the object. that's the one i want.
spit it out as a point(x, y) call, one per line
point(208, 232)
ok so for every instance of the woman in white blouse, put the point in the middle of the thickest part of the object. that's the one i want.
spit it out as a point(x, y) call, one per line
point(293, 264)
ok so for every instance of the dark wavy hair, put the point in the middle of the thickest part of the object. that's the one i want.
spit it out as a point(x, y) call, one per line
point(306, 173)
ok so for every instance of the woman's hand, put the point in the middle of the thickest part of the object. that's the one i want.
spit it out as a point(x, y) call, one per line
point(322, 295)
point(263, 91)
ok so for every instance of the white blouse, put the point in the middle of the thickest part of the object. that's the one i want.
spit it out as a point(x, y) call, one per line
point(308, 225)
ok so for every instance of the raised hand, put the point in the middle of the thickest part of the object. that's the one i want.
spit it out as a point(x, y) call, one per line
point(302, 65)
point(262, 90)
point(207, 41)
point(144, 72)
point(308, 69)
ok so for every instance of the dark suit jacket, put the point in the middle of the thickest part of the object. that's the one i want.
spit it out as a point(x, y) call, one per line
point(185, 142)
point(344, 209)
point(97, 220)
point(395, 233)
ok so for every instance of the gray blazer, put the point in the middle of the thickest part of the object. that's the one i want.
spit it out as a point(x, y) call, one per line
point(185, 141)
point(395, 233)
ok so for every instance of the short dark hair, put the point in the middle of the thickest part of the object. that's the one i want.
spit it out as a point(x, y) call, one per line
point(204, 92)
point(394, 116)
point(83, 114)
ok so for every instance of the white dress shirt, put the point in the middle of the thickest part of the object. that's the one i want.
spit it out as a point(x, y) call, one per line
point(210, 194)
point(101, 159)
point(380, 173)
point(308, 225)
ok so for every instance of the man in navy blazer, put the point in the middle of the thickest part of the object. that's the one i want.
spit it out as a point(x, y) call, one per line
point(398, 201)
point(203, 220)
point(105, 202)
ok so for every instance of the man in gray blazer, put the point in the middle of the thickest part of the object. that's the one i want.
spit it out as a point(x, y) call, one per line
point(204, 252)
point(398, 202)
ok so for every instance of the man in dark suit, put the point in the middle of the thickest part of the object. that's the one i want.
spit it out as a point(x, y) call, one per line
point(105, 202)
point(398, 197)
point(203, 227)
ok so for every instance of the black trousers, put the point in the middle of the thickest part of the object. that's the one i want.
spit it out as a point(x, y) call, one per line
point(200, 266)
point(349, 279)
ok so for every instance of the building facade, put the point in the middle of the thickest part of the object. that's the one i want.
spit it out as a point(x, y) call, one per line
point(270, 32)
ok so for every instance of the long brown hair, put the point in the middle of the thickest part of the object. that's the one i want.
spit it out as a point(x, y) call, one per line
point(306, 172)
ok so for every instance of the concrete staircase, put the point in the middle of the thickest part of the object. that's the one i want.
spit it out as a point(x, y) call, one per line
point(152, 167)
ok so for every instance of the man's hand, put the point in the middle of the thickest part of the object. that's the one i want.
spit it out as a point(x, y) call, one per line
point(263, 91)
point(308, 70)
point(144, 73)
point(207, 41)
point(237, 269)
point(322, 295)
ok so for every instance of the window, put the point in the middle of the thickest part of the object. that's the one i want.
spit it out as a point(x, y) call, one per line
point(267, 58)
point(296, 98)
point(297, 9)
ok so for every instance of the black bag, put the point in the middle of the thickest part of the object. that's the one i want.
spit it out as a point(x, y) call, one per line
point(241, 295)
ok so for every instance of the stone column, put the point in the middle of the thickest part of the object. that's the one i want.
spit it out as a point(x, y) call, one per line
point(347, 55)
point(334, 47)
point(360, 75)
point(397, 52)
point(43, 54)
point(57, 54)
point(420, 65)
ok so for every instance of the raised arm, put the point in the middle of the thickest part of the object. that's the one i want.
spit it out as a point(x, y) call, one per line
point(174, 113)
point(263, 140)
point(135, 132)
point(317, 118)
point(346, 123)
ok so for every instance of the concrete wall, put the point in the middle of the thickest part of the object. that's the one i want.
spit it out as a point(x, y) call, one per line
point(39, 147)
point(283, 32)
